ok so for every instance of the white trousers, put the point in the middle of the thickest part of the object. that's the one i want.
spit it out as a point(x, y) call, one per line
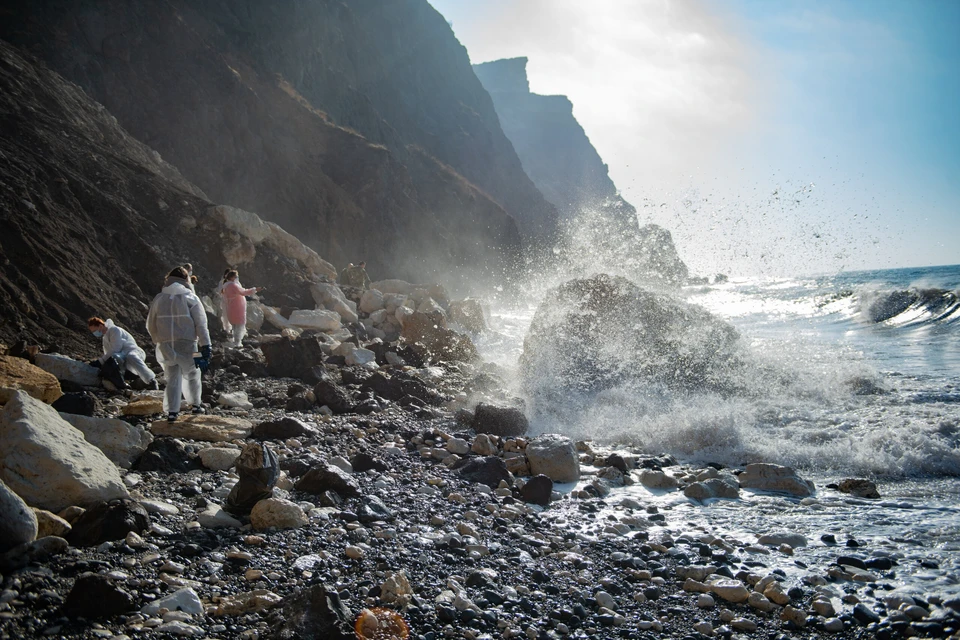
point(181, 373)
point(134, 363)
point(239, 331)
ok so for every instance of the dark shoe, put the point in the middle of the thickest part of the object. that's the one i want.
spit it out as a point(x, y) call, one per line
point(153, 385)
point(171, 417)
point(198, 410)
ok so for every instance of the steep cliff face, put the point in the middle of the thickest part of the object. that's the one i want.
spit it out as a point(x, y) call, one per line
point(185, 79)
point(92, 219)
point(599, 228)
point(554, 148)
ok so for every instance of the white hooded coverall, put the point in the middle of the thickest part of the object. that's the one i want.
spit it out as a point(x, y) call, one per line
point(176, 321)
point(118, 342)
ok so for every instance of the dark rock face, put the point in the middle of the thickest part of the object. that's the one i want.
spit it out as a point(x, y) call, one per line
point(557, 155)
point(605, 332)
point(282, 429)
point(400, 384)
point(92, 217)
point(329, 478)
point(95, 596)
point(331, 394)
point(499, 421)
point(82, 403)
point(316, 612)
point(289, 358)
point(489, 471)
point(537, 490)
point(364, 462)
point(108, 521)
point(167, 455)
point(261, 94)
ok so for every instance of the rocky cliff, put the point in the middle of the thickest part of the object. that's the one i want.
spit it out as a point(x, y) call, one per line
point(600, 229)
point(358, 126)
point(93, 219)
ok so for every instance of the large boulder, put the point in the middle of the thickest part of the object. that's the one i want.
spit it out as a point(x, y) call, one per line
point(328, 477)
point(468, 313)
point(18, 522)
point(277, 513)
point(371, 300)
point(17, 374)
point(291, 358)
point(121, 441)
point(207, 428)
point(78, 403)
point(432, 332)
point(605, 332)
point(490, 471)
point(315, 612)
point(762, 476)
point(48, 463)
point(505, 422)
point(65, 368)
point(318, 319)
point(554, 456)
point(331, 297)
point(328, 393)
point(108, 521)
point(283, 428)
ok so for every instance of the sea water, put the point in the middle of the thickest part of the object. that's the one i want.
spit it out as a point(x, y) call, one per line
point(873, 359)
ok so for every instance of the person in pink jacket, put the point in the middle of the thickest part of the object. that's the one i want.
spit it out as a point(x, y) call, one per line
point(235, 301)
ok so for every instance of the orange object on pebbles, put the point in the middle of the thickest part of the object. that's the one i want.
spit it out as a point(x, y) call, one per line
point(380, 624)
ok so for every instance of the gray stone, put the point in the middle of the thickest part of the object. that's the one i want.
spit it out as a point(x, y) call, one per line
point(121, 441)
point(18, 523)
point(48, 463)
point(773, 477)
point(778, 538)
point(185, 600)
point(859, 487)
point(219, 458)
point(554, 456)
point(68, 369)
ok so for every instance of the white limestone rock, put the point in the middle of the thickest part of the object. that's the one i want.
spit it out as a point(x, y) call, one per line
point(121, 441)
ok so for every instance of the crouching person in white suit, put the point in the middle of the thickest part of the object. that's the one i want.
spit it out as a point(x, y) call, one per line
point(118, 343)
point(177, 321)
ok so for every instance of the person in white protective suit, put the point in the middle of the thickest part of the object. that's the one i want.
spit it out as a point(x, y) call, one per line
point(118, 343)
point(177, 321)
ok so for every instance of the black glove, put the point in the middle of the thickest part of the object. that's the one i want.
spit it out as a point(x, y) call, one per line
point(205, 352)
point(95, 363)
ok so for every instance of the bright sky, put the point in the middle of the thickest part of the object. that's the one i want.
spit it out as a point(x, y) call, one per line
point(777, 138)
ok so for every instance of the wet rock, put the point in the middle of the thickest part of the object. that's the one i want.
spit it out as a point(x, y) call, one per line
point(17, 374)
point(185, 599)
point(219, 458)
point(48, 463)
point(489, 471)
point(258, 469)
point(108, 521)
point(537, 490)
point(289, 358)
point(554, 456)
point(316, 612)
point(373, 509)
point(206, 428)
point(504, 422)
point(864, 614)
point(18, 523)
point(778, 538)
point(64, 368)
point(121, 441)
point(712, 488)
point(468, 313)
point(658, 480)
point(773, 477)
point(79, 403)
point(329, 393)
point(95, 597)
point(167, 455)
point(328, 478)
point(859, 487)
point(277, 513)
point(442, 343)
point(283, 429)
